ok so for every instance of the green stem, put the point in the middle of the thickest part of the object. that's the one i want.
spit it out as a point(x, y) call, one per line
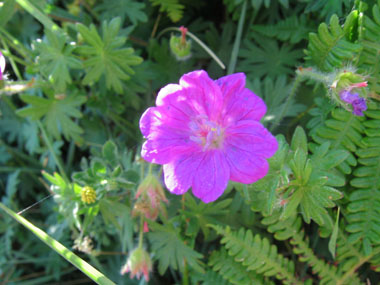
point(39, 15)
point(198, 41)
point(15, 43)
point(21, 169)
point(11, 60)
point(50, 146)
point(286, 106)
point(141, 233)
point(235, 49)
point(185, 276)
point(82, 265)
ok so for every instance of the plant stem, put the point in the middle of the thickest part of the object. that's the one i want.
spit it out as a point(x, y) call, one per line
point(185, 276)
point(235, 49)
point(50, 146)
point(10, 58)
point(39, 15)
point(285, 108)
point(141, 233)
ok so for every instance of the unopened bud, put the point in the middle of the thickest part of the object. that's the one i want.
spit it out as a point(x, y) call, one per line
point(150, 194)
point(180, 46)
point(138, 263)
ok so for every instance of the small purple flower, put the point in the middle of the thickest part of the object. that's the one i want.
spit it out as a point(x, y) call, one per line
point(206, 132)
point(358, 103)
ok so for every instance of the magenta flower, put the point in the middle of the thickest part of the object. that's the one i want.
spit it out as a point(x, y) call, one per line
point(207, 132)
point(358, 103)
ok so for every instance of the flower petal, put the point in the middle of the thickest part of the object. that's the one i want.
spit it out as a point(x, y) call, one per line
point(211, 177)
point(247, 146)
point(179, 174)
point(203, 94)
point(239, 102)
point(166, 138)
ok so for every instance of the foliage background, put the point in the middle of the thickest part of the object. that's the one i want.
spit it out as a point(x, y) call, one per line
point(79, 75)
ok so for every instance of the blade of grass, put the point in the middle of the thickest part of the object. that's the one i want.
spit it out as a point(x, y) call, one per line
point(78, 262)
point(235, 49)
point(38, 14)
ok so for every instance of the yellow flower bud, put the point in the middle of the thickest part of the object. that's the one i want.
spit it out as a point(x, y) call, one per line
point(88, 195)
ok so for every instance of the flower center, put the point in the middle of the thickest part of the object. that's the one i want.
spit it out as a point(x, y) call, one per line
point(207, 133)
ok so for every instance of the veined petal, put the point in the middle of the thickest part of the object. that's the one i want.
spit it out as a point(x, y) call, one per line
point(166, 137)
point(252, 137)
point(203, 94)
point(239, 102)
point(247, 146)
point(179, 174)
point(211, 177)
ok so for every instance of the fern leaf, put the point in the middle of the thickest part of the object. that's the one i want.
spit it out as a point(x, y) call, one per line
point(330, 47)
point(364, 207)
point(292, 29)
point(344, 132)
point(233, 271)
point(291, 229)
point(171, 7)
point(257, 254)
point(370, 56)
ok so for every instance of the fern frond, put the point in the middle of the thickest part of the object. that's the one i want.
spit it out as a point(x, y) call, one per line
point(291, 229)
point(364, 207)
point(347, 254)
point(171, 7)
point(375, 260)
point(257, 254)
point(330, 48)
point(292, 29)
point(233, 271)
point(370, 56)
point(344, 131)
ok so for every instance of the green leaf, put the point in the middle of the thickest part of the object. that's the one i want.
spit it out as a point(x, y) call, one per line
point(233, 271)
point(107, 55)
point(82, 265)
point(201, 214)
point(12, 182)
point(331, 48)
point(292, 29)
point(130, 9)
point(57, 114)
point(170, 250)
point(261, 56)
point(110, 210)
point(171, 7)
point(334, 236)
point(275, 92)
point(299, 140)
point(6, 11)
point(110, 153)
point(55, 59)
point(363, 208)
point(257, 254)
